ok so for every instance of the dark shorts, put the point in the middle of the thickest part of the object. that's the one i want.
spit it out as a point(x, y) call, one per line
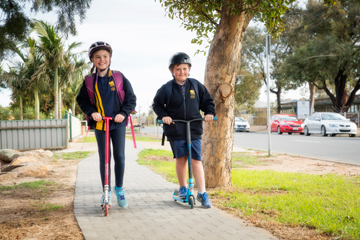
point(180, 149)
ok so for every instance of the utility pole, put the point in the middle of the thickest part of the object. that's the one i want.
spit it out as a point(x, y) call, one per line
point(268, 37)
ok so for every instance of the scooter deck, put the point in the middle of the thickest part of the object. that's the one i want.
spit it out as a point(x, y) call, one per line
point(177, 198)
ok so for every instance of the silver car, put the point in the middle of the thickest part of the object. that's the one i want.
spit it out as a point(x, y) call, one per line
point(241, 125)
point(329, 123)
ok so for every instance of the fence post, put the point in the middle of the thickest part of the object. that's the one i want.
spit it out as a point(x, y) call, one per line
point(67, 130)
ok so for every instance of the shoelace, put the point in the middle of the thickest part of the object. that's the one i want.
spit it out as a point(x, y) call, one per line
point(205, 196)
point(183, 189)
point(122, 197)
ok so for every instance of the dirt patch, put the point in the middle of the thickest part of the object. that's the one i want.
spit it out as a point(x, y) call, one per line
point(162, 158)
point(41, 213)
point(296, 164)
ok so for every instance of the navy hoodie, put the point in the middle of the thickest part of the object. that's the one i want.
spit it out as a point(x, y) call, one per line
point(183, 105)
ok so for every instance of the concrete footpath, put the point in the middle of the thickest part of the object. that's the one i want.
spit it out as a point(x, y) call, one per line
point(152, 213)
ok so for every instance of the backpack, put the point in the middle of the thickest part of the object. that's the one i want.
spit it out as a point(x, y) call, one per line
point(168, 91)
point(118, 78)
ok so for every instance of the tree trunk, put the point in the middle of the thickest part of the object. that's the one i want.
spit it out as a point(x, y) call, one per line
point(278, 99)
point(73, 106)
point(56, 83)
point(60, 103)
point(340, 85)
point(221, 68)
point(312, 97)
point(21, 109)
point(37, 104)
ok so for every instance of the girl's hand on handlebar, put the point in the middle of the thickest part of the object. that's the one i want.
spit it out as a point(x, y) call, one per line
point(167, 120)
point(209, 118)
point(96, 116)
point(119, 118)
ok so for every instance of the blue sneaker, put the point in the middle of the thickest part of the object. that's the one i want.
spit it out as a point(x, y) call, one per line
point(204, 199)
point(182, 192)
point(121, 200)
point(102, 199)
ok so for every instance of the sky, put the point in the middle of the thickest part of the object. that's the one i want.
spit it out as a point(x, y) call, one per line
point(143, 40)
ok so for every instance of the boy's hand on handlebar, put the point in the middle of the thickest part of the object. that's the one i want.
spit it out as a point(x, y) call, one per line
point(96, 116)
point(119, 118)
point(209, 118)
point(167, 120)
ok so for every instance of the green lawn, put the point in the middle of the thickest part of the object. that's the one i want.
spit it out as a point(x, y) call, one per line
point(165, 168)
point(144, 139)
point(73, 155)
point(30, 185)
point(88, 139)
point(329, 203)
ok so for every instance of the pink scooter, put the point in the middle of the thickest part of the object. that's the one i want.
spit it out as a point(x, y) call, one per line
point(106, 205)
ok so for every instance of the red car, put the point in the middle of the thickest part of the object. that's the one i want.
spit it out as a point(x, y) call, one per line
point(286, 123)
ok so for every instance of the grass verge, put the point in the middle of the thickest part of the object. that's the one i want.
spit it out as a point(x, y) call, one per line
point(165, 168)
point(88, 139)
point(328, 203)
point(144, 139)
point(73, 155)
point(29, 185)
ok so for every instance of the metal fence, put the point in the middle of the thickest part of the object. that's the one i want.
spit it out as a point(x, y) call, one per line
point(75, 127)
point(354, 117)
point(34, 134)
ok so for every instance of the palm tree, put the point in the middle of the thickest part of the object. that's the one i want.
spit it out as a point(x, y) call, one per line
point(66, 70)
point(15, 79)
point(76, 83)
point(2, 81)
point(52, 49)
point(32, 62)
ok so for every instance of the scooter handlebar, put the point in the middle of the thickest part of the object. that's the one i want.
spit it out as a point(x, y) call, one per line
point(161, 121)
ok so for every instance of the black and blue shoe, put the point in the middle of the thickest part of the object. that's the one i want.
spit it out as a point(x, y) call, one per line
point(182, 192)
point(204, 199)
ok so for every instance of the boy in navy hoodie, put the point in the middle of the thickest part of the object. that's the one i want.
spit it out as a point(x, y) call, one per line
point(185, 104)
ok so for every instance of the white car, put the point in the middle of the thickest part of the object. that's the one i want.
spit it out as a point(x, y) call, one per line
point(329, 123)
point(241, 125)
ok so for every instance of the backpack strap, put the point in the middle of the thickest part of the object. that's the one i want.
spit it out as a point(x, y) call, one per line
point(89, 83)
point(119, 83)
point(168, 91)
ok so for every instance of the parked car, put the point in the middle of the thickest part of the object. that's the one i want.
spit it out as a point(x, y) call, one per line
point(286, 123)
point(241, 125)
point(329, 123)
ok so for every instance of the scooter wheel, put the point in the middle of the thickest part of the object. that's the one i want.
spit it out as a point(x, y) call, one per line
point(106, 210)
point(191, 201)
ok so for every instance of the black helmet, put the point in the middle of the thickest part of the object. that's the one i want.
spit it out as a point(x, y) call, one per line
point(179, 58)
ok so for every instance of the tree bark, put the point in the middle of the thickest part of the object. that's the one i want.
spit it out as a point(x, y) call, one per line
point(340, 85)
point(21, 109)
point(221, 67)
point(37, 104)
point(73, 106)
point(60, 103)
point(56, 87)
point(312, 97)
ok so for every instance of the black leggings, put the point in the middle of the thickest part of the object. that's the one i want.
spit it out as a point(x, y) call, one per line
point(117, 137)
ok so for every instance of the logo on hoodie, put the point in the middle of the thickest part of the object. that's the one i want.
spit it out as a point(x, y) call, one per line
point(112, 85)
point(192, 93)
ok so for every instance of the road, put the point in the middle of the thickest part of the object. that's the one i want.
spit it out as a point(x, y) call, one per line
point(338, 149)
